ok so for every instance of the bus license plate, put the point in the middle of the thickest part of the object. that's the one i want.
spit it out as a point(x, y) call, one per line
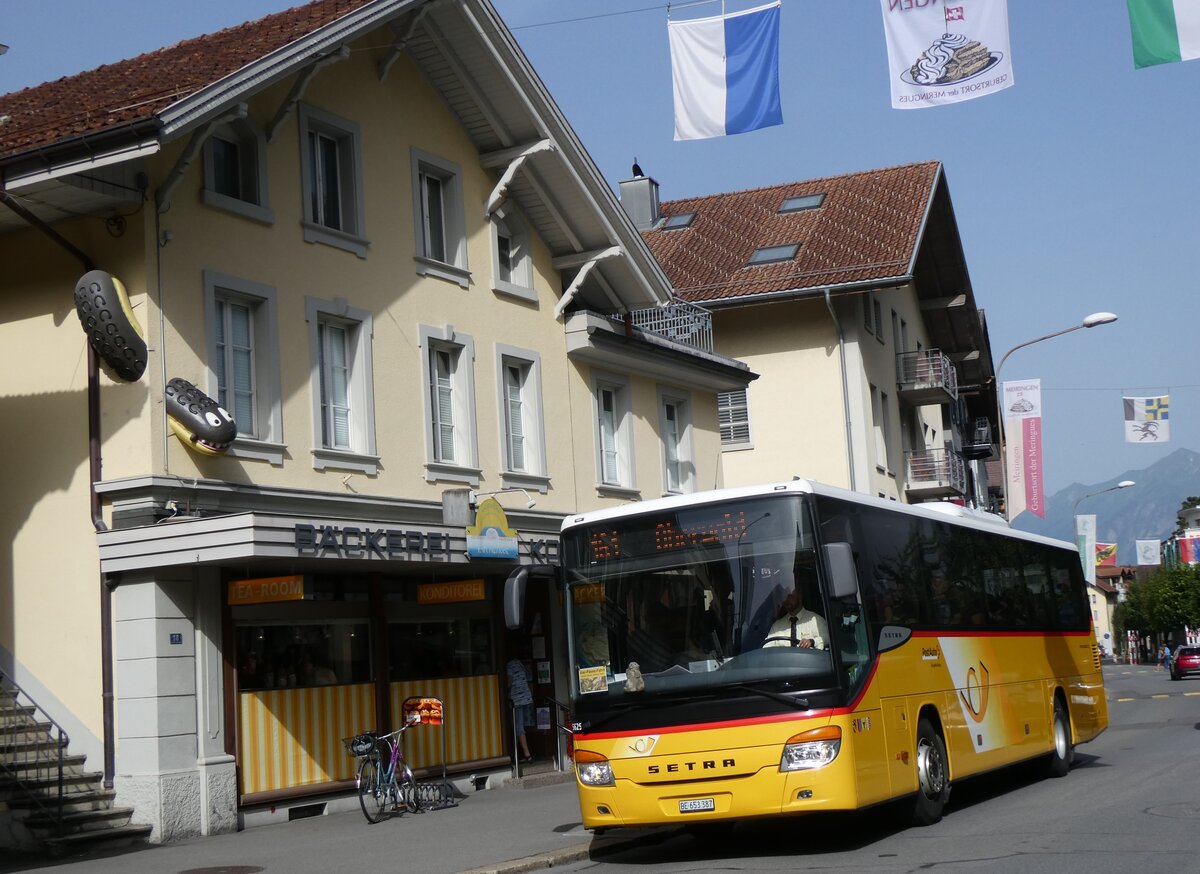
point(692, 805)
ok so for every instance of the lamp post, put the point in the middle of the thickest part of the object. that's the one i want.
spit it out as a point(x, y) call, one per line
point(1123, 484)
point(1090, 322)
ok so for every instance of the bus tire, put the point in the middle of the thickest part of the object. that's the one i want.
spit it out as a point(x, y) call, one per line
point(933, 775)
point(1058, 763)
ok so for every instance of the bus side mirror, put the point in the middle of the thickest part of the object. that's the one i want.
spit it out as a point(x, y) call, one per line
point(843, 574)
point(514, 590)
point(514, 597)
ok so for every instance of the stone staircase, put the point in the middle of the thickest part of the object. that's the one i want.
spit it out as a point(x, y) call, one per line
point(49, 801)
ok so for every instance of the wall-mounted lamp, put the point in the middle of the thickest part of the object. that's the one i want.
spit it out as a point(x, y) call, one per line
point(530, 503)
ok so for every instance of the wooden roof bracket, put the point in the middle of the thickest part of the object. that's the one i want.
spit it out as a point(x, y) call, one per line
point(402, 40)
point(515, 158)
point(162, 197)
point(300, 86)
point(593, 258)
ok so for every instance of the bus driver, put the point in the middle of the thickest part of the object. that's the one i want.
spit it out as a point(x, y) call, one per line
point(798, 626)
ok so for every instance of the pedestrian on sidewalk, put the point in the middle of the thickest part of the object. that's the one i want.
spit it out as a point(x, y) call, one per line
point(522, 703)
point(1164, 658)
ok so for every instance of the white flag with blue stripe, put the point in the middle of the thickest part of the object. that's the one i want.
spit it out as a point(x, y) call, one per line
point(726, 73)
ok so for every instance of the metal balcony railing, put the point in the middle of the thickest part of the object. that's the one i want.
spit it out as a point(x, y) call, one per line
point(926, 377)
point(680, 321)
point(935, 473)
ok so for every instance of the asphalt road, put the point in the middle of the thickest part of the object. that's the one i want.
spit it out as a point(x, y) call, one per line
point(1130, 804)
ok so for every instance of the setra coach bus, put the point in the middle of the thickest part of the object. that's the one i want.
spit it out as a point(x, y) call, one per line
point(931, 643)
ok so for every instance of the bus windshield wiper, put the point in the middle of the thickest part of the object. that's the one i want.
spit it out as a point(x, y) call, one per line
point(798, 703)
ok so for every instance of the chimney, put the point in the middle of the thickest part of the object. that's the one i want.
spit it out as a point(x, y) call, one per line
point(639, 197)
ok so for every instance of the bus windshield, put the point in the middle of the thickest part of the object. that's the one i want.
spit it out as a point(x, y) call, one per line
point(700, 598)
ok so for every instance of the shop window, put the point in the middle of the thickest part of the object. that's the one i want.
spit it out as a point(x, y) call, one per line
point(438, 649)
point(277, 656)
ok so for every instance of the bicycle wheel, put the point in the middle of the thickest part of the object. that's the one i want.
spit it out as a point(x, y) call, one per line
point(410, 793)
point(372, 793)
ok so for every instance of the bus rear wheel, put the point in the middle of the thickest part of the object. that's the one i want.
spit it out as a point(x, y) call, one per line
point(1058, 763)
point(933, 784)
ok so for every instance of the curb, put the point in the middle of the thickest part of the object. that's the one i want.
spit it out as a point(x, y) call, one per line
point(600, 845)
point(540, 862)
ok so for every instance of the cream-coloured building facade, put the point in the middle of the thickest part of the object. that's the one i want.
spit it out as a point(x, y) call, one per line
point(850, 297)
point(378, 244)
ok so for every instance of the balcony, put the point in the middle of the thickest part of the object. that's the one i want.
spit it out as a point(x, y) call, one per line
point(934, 473)
point(926, 377)
point(681, 322)
point(977, 441)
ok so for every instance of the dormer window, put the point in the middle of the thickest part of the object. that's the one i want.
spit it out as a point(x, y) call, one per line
point(773, 254)
point(802, 202)
point(676, 222)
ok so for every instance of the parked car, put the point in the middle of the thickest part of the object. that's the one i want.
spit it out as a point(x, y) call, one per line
point(1185, 662)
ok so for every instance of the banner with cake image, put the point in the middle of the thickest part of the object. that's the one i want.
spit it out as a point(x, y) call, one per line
point(941, 52)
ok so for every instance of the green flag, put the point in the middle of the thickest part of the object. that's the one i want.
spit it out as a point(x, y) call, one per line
point(1164, 31)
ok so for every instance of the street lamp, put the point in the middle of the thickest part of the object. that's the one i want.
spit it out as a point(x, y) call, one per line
point(1123, 484)
point(1090, 322)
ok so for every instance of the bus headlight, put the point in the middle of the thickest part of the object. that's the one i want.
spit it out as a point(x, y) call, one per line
point(811, 749)
point(593, 769)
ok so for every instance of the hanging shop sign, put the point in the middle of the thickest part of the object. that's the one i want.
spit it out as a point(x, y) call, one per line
point(490, 536)
point(450, 592)
point(266, 589)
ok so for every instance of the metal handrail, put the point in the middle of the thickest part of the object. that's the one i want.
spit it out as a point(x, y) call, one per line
point(16, 756)
point(679, 321)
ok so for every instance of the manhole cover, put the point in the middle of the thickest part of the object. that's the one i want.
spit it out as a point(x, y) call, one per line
point(1182, 810)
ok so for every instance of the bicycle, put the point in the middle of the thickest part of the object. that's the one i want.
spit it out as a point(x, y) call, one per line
point(385, 781)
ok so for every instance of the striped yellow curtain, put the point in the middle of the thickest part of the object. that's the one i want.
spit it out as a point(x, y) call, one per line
point(473, 726)
point(293, 737)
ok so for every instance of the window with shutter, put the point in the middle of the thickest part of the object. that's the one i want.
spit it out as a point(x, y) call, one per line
point(733, 417)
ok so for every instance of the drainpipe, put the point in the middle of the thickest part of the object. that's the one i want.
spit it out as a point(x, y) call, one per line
point(845, 390)
point(94, 468)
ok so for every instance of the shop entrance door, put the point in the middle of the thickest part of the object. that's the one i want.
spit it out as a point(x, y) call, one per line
point(536, 644)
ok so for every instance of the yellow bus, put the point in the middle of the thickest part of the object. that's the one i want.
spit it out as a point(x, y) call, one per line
point(931, 643)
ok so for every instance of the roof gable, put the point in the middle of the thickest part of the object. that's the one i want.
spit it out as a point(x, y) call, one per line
point(866, 230)
point(126, 92)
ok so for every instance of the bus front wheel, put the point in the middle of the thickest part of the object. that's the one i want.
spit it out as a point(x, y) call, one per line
point(933, 784)
point(1058, 763)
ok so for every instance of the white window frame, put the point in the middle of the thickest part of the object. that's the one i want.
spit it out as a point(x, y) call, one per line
point(266, 442)
point(729, 422)
point(880, 425)
point(506, 222)
point(615, 478)
point(453, 267)
point(678, 457)
point(361, 456)
point(348, 137)
point(251, 143)
point(464, 468)
point(533, 475)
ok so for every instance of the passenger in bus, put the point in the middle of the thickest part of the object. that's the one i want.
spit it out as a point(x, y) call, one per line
point(798, 626)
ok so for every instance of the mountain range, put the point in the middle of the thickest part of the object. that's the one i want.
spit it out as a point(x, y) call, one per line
point(1146, 511)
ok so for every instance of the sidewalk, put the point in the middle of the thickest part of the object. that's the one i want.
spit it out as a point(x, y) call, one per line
point(494, 831)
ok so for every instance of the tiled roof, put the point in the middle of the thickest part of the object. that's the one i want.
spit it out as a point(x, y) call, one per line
point(866, 229)
point(135, 90)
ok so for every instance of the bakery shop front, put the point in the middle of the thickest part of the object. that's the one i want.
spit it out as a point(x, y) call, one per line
point(329, 626)
point(325, 656)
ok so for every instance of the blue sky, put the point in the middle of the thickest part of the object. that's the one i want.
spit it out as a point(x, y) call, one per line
point(1076, 190)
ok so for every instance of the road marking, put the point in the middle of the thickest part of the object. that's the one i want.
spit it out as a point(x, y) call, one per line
point(1121, 700)
point(1190, 694)
point(1160, 696)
